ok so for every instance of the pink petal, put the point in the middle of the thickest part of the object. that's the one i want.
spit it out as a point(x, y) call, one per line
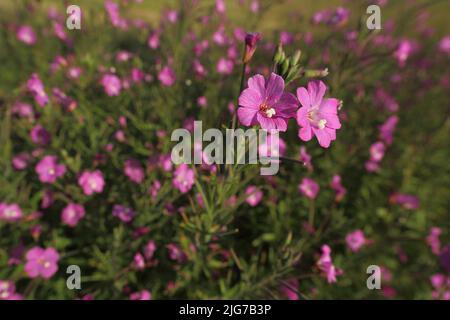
point(250, 98)
point(265, 123)
point(258, 84)
point(305, 133)
point(274, 89)
point(303, 97)
point(322, 136)
point(32, 269)
point(331, 133)
point(51, 254)
point(50, 271)
point(34, 253)
point(332, 120)
point(280, 123)
point(286, 106)
point(329, 106)
point(246, 116)
point(302, 117)
point(316, 91)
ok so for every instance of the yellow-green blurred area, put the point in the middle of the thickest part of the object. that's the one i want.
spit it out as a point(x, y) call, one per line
point(273, 14)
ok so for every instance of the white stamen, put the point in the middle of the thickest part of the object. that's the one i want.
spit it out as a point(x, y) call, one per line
point(270, 112)
point(321, 124)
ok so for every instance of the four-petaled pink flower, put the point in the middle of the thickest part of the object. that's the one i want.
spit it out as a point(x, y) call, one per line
point(309, 188)
point(266, 103)
point(41, 262)
point(49, 170)
point(183, 178)
point(318, 115)
point(91, 182)
point(72, 214)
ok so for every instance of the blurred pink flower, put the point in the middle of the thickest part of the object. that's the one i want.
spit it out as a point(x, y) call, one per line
point(433, 240)
point(91, 182)
point(326, 265)
point(138, 261)
point(41, 262)
point(183, 178)
point(10, 212)
point(408, 201)
point(123, 213)
point(72, 214)
point(444, 45)
point(20, 161)
point(8, 291)
point(112, 84)
point(26, 35)
point(305, 157)
point(318, 115)
point(49, 170)
point(134, 171)
point(36, 88)
point(175, 253)
point(225, 66)
point(254, 195)
point(355, 240)
point(266, 103)
point(309, 188)
point(337, 186)
point(149, 250)
point(377, 151)
point(220, 6)
point(167, 76)
point(290, 289)
point(404, 50)
point(141, 295)
point(40, 135)
point(153, 40)
point(387, 129)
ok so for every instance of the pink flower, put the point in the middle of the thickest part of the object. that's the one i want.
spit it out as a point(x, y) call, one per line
point(202, 101)
point(254, 196)
point(377, 151)
point(266, 103)
point(149, 250)
point(138, 261)
point(112, 84)
point(123, 213)
point(49, 170)
point(36, 88)
point(355, 240)
point(325, 265)
point(72, 214)
point(336, 184)
point(183, 178)
point(8, 291)
point(64, 100)
point(26, 35)
point(384, 99)
point(113, 11)
point(10, 212)
point(20, 161)
point(134, 171)
point(175, 253)
point(154, 188)
point(309, 188)
point(408, 201)
point(387, 129)
point(153, 40)
point(41, 262)
point(317, 115)
point(220, 6)
point(167, 76)
point(141, 295)
point(91, 182)
point(40, 135)
point(404, 50)
point(305, 157)
point(225, 66)
point(444, 45)
point(433, 240)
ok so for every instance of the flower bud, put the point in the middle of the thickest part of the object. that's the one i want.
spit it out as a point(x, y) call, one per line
point(251, 39)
